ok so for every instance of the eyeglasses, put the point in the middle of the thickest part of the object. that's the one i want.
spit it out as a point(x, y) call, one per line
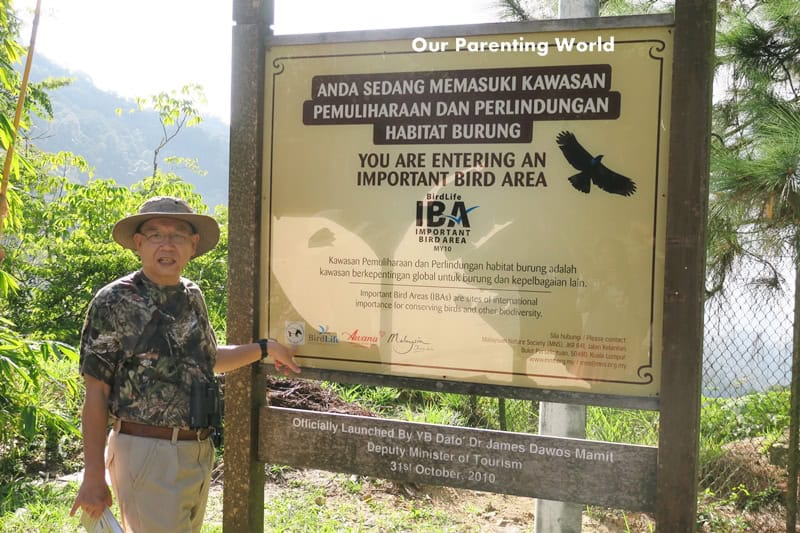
point(178, 239)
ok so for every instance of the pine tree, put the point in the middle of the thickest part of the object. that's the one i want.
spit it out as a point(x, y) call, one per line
point(754, 207)
point(755, 180)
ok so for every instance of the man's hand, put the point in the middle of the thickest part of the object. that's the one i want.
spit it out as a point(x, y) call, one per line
point(93, 496)
point(283, 357)
point(233, 357)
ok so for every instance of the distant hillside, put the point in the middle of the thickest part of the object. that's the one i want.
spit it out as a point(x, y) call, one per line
point(121, 147)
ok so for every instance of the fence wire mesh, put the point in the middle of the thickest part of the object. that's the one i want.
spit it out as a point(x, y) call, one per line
point(746, 377)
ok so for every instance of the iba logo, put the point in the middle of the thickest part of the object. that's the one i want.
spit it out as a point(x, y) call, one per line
point(434, 214)
point(443, 220)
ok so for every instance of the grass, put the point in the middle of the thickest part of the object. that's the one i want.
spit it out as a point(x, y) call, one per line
point(305, 508)
point(29, 507)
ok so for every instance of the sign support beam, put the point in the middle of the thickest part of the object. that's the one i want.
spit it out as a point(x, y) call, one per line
point(243, 496)
point(684, 279)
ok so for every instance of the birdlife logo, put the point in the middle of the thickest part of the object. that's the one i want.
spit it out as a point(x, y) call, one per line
point(296, 333)
point(592, 170)
point(324, 337)
point(443, 220)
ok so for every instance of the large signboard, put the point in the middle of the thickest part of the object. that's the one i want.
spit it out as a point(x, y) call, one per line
point(483, 208)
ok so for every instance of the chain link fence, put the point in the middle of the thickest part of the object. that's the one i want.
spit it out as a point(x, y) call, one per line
point(746, 377)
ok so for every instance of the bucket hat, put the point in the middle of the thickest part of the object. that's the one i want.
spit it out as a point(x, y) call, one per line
point(168, 207)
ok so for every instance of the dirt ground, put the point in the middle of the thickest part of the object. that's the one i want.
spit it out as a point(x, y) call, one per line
point(474, 510)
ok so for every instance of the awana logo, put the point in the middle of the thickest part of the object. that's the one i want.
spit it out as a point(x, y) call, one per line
point(360, 338)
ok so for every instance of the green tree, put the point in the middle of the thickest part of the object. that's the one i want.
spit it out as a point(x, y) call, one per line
point(754, 204)
point(38, 387)
point(176, 110)
point(753, 209)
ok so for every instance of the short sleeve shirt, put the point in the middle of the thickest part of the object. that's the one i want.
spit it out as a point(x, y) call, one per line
point(148, 343)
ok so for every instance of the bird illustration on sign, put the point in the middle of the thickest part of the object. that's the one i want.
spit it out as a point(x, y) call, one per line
point(591, 168)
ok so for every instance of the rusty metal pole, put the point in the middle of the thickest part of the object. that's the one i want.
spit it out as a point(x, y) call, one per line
point(243, 496)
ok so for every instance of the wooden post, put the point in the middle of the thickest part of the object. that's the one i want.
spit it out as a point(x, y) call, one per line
point(794, 408)
point(676, 501)
point(243, 496)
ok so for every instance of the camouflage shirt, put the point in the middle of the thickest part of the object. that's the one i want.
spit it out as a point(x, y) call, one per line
point(148, 343)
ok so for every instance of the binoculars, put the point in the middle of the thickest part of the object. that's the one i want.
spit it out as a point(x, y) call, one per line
point(206, 405)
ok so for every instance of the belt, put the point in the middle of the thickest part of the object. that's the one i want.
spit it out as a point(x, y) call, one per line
point(160, 432)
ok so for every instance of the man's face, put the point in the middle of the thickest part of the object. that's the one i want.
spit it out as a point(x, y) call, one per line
point(165, 246)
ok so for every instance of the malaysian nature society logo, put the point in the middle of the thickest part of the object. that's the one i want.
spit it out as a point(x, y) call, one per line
point(295, 333)
point(443, 220)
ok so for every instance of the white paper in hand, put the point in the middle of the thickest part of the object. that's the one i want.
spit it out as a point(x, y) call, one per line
point(106, 523)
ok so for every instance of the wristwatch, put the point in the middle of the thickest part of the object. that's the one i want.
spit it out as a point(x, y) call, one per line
point(264, 343)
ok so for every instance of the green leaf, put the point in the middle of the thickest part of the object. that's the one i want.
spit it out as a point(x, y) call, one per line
point(6, 131)
point(8, 284)
point(28, 421)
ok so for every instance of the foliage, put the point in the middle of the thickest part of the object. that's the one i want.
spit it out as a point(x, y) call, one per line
point(755, 182)
point(63, 253)
point(525, 10)
point(37, 102)
point(210, 272)
point(25, 506)
point(713, 515)
point(622, 425)
point(38, 392)
point(176, 110)
point(727, 420)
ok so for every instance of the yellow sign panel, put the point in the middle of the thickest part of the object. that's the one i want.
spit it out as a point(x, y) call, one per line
point(486, 208)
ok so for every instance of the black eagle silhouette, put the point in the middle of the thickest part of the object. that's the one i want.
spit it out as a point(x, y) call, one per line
point(592, 169)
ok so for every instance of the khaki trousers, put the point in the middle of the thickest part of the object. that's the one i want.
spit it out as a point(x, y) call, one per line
point(160, 485)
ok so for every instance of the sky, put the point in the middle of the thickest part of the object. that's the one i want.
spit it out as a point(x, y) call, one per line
point(143, 47)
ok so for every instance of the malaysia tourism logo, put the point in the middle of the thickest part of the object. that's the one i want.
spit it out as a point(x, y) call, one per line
point(443, 220)
point(403, 344)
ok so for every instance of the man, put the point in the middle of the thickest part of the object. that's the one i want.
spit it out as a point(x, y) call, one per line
point(145, 342)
